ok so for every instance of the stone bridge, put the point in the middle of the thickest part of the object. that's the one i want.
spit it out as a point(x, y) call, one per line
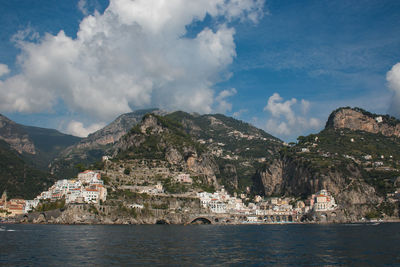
point(214, 218)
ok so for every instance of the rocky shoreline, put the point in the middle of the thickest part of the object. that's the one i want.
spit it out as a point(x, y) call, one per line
point(74, 216)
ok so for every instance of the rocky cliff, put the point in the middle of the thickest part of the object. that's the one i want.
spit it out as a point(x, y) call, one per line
point(160, 138)
point(357, 119)
point(13, 134)
point(296, 176)
point(356, 157)
point(239, 148)
point(92, 148)
point(116, 129)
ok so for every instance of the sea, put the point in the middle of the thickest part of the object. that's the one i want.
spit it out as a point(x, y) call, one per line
point(200, 245)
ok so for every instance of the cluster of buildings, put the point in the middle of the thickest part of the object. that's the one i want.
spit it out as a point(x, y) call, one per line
point(12, 207)
point(221, 202)
point(87, 188)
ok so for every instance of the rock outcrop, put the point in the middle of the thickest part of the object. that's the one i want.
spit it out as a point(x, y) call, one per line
point(294, 177)
point(115, 130)
point(15, 136)
point(157, 137)
point(93, 147)
point(354, 157)
point(359, 120)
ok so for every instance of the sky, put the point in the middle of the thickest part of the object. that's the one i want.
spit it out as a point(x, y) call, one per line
point(283, 66)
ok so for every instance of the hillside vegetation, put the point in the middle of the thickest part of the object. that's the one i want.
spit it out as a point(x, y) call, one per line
point(18, 178)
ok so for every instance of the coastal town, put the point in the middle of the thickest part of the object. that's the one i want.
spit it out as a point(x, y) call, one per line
point(88, 188)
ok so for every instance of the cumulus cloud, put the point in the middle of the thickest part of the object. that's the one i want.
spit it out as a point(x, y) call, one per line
point(239, 113)
point(393, 78)
point(82, 6)
point(134, 55)
point(78, 129)
point(4, 70)
point(289, 118)
point(221, 99)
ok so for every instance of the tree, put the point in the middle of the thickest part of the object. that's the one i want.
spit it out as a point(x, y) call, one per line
point(127, 171)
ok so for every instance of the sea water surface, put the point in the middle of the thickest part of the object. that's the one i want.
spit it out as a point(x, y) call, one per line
point(193, 245)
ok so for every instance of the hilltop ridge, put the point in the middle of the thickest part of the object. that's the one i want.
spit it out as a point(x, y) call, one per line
point(362, 120)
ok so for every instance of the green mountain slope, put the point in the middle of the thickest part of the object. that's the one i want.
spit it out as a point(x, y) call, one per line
point(18, 177)
point(38, 146)
point(90, 149)
point(238, 147)
point(49, 143)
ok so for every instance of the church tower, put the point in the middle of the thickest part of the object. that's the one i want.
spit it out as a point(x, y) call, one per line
point(4, 198)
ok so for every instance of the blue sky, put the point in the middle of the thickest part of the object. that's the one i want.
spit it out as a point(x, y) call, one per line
point(280, 65)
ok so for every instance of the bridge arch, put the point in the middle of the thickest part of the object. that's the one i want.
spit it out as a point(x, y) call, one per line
point(200, 220)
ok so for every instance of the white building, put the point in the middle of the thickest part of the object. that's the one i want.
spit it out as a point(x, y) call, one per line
point(31, 204)
point(322, 201)
point(91, 195)
point(221, 202)
point(217, 206)
point(88, 188)
point(74, 196)
point(44, 195)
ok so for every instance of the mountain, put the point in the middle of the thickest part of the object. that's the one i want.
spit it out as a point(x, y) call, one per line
point(159, 142)
point(19, 178)
point(14, 134)
point(239, 148)
point(25, 152)
point(93, 147)
point(161, 148)
point(37, 145)
point(356, 157)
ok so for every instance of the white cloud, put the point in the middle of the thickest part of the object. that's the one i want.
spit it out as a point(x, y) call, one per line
point(278, 108)
point(305, 106)
point(4, 70)
point(286, 118)
point(134, 55)
point(223, 104)
point(78, 129)
point(82, 6)
point(239, 113)
point(393, 78)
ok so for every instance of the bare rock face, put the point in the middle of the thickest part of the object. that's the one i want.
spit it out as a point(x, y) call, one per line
point(272, 178)
point(354, 119)
point(173, 156)
point(203, 165)
point(291, 177)
point(151, 125)
point(230, 171)
point(15, 136)
point(153, 137)
point(115, 130)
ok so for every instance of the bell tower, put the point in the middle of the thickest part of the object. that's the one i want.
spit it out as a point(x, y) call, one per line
point(4, 196)
point(4, 199)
